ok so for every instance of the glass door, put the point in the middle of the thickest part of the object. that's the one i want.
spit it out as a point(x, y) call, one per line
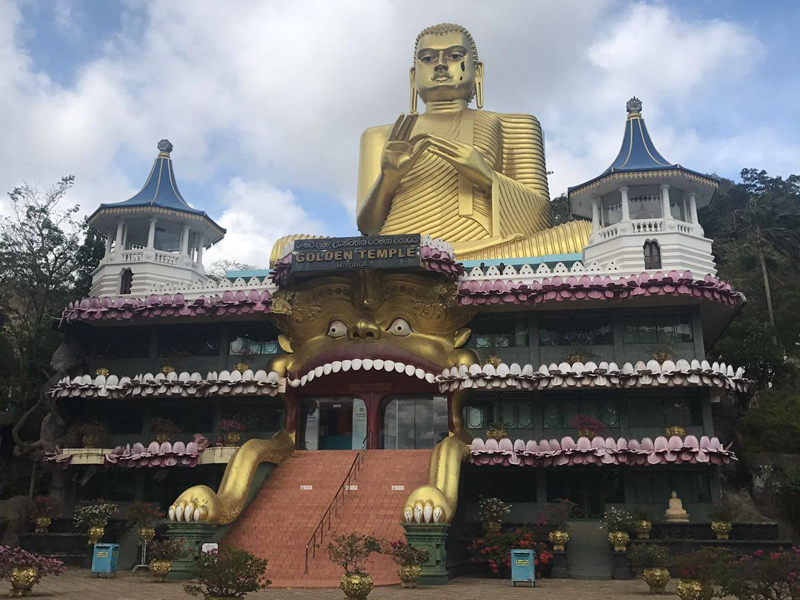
point(333, 423)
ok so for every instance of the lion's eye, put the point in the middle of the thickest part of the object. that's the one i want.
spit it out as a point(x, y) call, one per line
point(400, 327)
point(337, 329)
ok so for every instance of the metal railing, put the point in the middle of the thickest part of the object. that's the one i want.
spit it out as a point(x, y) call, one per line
point(316, 539)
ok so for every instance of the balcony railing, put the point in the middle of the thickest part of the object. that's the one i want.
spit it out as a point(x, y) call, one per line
point(645, 226)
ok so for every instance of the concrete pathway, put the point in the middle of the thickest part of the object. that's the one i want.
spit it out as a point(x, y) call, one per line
point(78, 584)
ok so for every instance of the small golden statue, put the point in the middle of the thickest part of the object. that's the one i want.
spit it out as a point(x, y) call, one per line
point(474, 178)
point(676, 513)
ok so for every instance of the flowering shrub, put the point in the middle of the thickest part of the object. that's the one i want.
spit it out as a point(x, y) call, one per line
point(645, 556)
point(94, 514)
point(494, 550)
point(143, 514)
point(760, 576)
point(14, 558)
point(231, 573)
point(587, 423)
point(405, 554)
point(702, 564)
point(232, 425)
point(351, 551)
point(159, 425)
point(44, 506)
point(556, 514)
point(493, 509)
point(617, 519)
point(168, 549)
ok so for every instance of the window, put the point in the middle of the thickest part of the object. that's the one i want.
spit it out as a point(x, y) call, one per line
point(515, 409)
point(131, 342)
point(576, 328)
point(253, 339)
point(645, 206)
point(560, 409)
point(652, 255)
point(126, 281)
point(653, 327)
point(410, 422)
point(501, 330)
point(665, 409)
point(197, 340)
point(656, 487)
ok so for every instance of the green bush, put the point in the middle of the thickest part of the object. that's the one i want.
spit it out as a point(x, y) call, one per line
point(773, 425)
point(229, 573)
point(645, 556)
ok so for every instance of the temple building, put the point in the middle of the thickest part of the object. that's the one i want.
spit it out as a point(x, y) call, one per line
point(462, 347)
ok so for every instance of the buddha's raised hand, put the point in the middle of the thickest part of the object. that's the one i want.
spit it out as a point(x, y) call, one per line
point(399, 154)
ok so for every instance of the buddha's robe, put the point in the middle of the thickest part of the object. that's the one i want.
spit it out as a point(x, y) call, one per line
point(511, 220)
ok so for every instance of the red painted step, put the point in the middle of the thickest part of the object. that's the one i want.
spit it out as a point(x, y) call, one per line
point(279, 521)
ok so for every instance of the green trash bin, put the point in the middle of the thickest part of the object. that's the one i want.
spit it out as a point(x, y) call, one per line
point(104, 561)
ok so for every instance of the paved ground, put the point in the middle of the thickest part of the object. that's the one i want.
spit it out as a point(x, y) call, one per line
point(80, 585)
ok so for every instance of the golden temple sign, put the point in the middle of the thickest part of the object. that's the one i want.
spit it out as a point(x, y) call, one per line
point(362, 252)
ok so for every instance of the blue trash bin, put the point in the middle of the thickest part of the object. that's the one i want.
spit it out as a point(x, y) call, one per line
point(104, 560)
point(522, 567)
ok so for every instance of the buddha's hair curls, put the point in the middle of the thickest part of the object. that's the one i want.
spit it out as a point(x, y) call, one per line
point(445, 28)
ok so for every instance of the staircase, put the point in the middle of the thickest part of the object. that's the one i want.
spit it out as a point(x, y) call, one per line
point(279, 522)
point(589, 554)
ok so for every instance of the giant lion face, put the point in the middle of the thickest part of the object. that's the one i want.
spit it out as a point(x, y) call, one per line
point(404, 322)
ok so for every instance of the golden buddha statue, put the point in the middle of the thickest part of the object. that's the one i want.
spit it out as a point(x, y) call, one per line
point(474, 178)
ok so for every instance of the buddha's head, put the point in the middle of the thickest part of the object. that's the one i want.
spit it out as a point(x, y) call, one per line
point(446, 65)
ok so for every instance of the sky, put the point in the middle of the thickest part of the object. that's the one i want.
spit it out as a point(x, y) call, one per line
point(265, 101)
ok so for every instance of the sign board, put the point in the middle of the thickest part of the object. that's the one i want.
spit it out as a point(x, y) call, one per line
point(363, 252)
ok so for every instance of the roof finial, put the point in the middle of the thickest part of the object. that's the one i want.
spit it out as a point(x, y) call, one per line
point(634, 106)
point(164, 146)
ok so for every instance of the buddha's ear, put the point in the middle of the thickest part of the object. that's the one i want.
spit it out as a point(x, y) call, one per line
point(462, 335)
point(412, 74)
point(479, 84)
point(285, 343)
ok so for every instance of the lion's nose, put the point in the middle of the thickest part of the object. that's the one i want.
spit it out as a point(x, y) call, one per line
point(364, 330)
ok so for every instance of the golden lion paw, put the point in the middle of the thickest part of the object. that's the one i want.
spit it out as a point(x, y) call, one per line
point(427, 504)
point(198, 503)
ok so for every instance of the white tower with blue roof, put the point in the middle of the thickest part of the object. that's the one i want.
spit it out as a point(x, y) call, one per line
point(644, 208)
point(154, 238)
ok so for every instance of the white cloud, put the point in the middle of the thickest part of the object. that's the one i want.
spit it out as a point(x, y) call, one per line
point(276, 95)
point(256, 214)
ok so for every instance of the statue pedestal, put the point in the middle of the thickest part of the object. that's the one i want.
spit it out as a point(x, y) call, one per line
point(432, 537)
point(560, 566)
point(196, 535)
point(621, 566)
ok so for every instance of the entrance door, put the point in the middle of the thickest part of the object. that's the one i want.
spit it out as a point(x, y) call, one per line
point(333, 423)
point(589, 490)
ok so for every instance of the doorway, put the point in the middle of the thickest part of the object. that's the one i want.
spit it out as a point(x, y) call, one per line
point(589, 490)
point(333, 423)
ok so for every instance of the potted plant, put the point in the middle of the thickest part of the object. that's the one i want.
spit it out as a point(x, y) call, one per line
point(698, 570)
point(230, 573)
point(587, 426)
point(42, 510)
point(492, 512)
point(663, 352)
point(409, 559)
point(620, 524)
point(497, 431)
point(91, 434)
point(102, 372)
point(94, 516)
point(246, 354)
point(678, 430)
point(494, 550)
point(722, 515)
point(163, 429)
point(143, 515)
point(162, 553)
point(352, 551)
point(557, 513)
point(654, 561)
point(641, 523)
point(232, 429)
point(25, 569)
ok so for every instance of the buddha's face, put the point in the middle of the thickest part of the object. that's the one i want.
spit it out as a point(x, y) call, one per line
point(444, 68)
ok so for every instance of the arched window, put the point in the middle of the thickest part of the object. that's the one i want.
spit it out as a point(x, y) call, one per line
point(126, 281)
point(652, 255)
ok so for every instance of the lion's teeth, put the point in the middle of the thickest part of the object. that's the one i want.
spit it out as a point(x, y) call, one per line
point(378, 364)
point(420, 374)
point(367, 364)
point(430, 377)
point(319, 371)
point(357, 362)
point(410, 370)
point(399, 367)
point(346, 364)
point(327, 369)
point(336, 366)
point(388, 366)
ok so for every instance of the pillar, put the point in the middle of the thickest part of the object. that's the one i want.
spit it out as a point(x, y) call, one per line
point(185, 240)
point(665, 212)
point(595, 215)
point(693, 208)
point(196, 534)
point(120, 231)
point(200, 243)
point(626, 209)
point(151, 234)
point(109, 243)
point(433, 537)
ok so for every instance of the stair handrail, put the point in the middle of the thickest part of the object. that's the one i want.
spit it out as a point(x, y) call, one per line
point(319, 530)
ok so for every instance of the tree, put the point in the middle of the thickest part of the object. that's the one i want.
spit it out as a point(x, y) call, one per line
point(39, 262)
point(219, 268)
point(90, 253)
